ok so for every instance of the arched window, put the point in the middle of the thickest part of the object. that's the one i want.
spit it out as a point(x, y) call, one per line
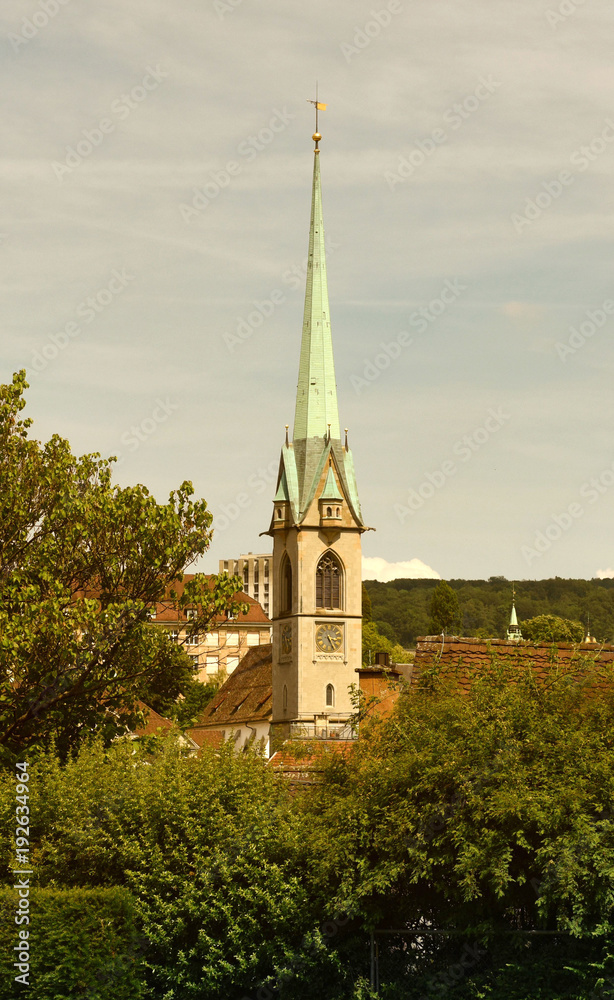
point(338, 512)
point(279, 513)
point(330, 696)
point(286, 585)
point(285, 698)
point(329, 511)
point(328, 582)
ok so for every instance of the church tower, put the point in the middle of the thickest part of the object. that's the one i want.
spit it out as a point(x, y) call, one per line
point(316, 528)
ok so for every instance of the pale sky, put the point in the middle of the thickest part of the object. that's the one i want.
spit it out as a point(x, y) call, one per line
point(157, 161)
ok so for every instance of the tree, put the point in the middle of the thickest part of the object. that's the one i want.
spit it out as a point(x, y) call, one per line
point(366, 605)
point(81, 562)
point(195, 696)
point(485, 815)
point(551, 628)
point(445, 611)
point(374, 642)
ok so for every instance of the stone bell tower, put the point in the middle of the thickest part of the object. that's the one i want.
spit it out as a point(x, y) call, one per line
point(316, 528)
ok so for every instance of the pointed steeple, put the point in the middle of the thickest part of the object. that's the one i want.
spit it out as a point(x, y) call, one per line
point(317, 437)
point(316, 396)
point(513, 631)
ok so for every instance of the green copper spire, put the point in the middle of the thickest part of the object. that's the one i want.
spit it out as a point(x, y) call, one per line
point(513, 632)
point(316, 414)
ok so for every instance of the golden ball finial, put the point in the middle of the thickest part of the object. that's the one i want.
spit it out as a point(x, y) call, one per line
point(316, 137)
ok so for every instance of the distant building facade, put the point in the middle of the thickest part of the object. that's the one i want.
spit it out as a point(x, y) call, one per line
point(221, 649)
point(256, 571)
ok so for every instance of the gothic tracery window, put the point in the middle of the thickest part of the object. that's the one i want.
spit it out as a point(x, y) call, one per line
point(328, 582)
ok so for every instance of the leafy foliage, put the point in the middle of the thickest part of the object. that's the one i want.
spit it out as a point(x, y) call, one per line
point(445, 611)
point(83, 942)
point(374, 642)
point(196, 695)
point(551, 628)
point(81, 561)
point(210, 850)
point(481, 811)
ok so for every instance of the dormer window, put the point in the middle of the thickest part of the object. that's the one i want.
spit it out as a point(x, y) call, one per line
point(281, 514)
point(330, 513)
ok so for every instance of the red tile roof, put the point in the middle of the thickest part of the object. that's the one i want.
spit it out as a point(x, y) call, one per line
point(299, 761)
point(462, 657)
point(155, 724)
point(212, 737)
point(165, 612)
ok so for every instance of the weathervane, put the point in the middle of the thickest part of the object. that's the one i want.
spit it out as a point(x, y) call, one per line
point(319, 107)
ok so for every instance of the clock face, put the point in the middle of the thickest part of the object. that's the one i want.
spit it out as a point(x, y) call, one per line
point(286, 639)
point(328, 638)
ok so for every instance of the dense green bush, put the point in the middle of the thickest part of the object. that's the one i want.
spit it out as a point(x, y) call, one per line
point(83, 943)
point(210, 848)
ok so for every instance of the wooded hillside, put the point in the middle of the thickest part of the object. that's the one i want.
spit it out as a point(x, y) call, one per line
point(401, 609)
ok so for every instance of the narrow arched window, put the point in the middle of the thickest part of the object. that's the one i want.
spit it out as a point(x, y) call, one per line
point(328, 582)
point(279, 513)
point(285, 698)
point(286, 585)
point(338, 512)
point(329, 511)
point(330, 696)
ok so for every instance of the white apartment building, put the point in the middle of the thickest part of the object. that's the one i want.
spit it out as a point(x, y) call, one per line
point(256, 571)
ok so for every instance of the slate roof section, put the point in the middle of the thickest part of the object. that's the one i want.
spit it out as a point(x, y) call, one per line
point(461, 657)
point(246, 696)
